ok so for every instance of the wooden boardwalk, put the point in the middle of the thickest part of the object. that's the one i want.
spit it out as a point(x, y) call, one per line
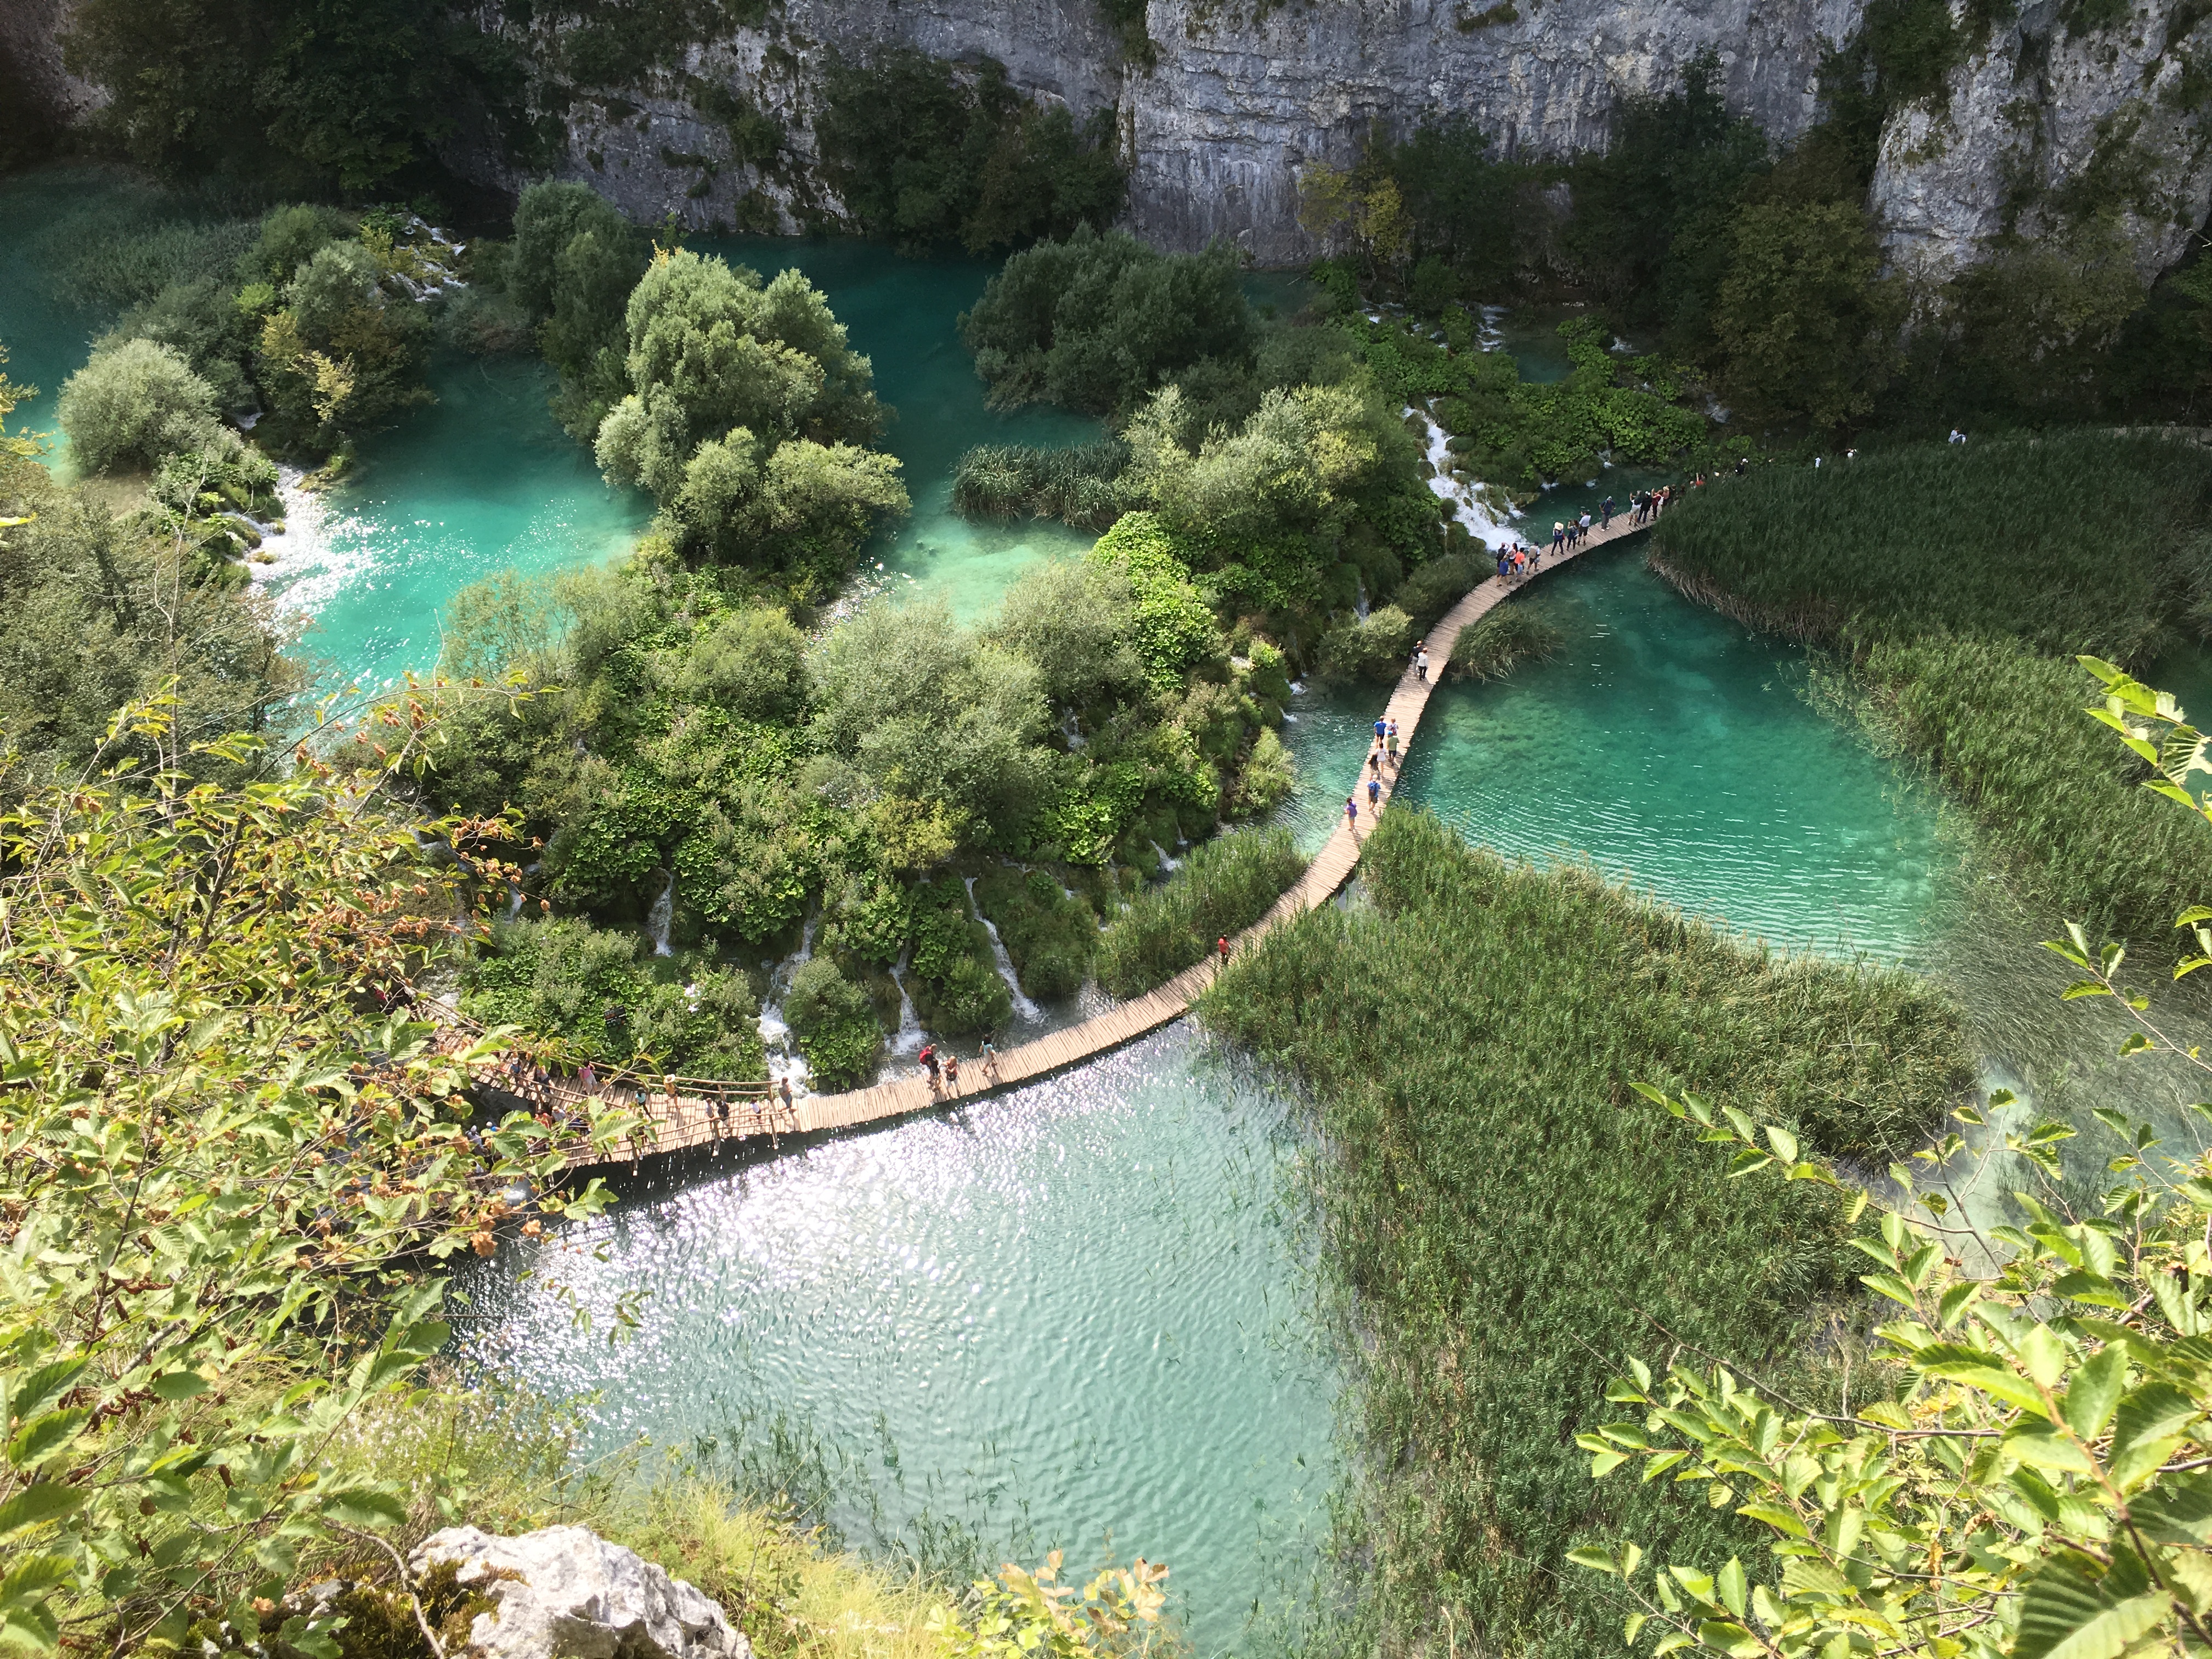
point(684, 1122)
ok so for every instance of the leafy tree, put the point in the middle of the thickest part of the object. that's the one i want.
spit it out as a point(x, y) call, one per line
point(1805, 322)
point(1073, 622)
point(1096, 322)
point(338, 356)
point(1171, 626)
point(836, 1030)
point(1460, 205)
point(573, 263)
point(1362, 205)
point(921, 152)
point(132, 403)
point(230, 1184)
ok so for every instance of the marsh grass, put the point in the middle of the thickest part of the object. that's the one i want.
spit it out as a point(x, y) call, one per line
point(123, 244)
point(1081, 486)
point(1501, 639)
point(1224, 886)
point(1500, 1223)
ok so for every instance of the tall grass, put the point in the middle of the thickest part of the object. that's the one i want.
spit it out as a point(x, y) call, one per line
point(2081, 541)
point(1502, 1223)
point(1224, 886)
point(124, 244)
point(1079, 486)
point(1501, 639)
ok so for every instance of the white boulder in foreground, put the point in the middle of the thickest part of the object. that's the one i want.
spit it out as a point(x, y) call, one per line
point(566, 1593)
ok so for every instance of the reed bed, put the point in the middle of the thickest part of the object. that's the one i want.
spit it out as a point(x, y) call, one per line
point(2080, 540)
point(1501, 639)
point(1224, 886)
point(122, 246)
point(1079, 486)
point(1500, 1223)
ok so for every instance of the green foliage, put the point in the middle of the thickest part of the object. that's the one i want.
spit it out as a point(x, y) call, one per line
point(1375, 648)
point(616, 43)
point(1504, 637)
point(573, 263)
point(1075, 622)
point(747, 420)
point(230, 1191)
point(1048, 932)
point(1170, 624)
point(592, 991)
point(1436, 587)
point(1096, 322)
point(923, 151)
point(102, 611)
point(1077, 486)
point(1480, 1293)
point(1224, 887)
point(1806, 321)
point(341, 352)
point(1268, 775)
point(133, 403)
point(1115, 1616)
point(836, 1030)
point(308, 93)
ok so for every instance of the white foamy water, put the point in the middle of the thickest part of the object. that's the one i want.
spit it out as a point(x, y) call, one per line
point(1483, 510)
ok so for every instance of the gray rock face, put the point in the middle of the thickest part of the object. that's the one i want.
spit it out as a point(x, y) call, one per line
point(566, 1593)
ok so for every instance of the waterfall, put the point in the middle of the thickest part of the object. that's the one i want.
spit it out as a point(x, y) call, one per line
point(660, 918)
point(1471, 503)
point(1025, 1011)
point(1072, 731)
point(1359, 600)
point(1166, 862)
point(906, 1040)
point(784, 1060)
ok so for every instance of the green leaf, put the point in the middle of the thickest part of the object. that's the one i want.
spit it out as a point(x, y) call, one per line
point(2040, 1445)
point(42, 1436)
point(1733, 1590)
point(2094, 1393)
point(1785, 1143)
point(45, 1500)
point(363, 1506)
point(1776, 1516)
point(42, 1387)
point(1977, 1369)
point(2066, 1614)
point(1598, 1560)
point(181, 1385)
point(2150, 1421)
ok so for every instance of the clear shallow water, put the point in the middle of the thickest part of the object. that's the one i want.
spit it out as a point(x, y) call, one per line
point(1673, 749)
point(1072, 1309)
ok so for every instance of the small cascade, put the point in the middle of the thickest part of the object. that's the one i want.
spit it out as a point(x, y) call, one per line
point(1070, 729)
point(785, 1062)
point(906, 1040)
point(1359, 600)
point(1471, 502)
point(513, 898)
point(662, 917)
point(1166, 862)
point(1024, 1011)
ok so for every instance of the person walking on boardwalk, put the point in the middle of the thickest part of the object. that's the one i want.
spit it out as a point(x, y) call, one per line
point(790, 1111)
point(1559, 537)
point(1374, 756)
point(989, 1060)
point(1504, 562)
point(1605, 510)
point(1381, 726)
point(928, 1059)
point(1581, 529)
point(1352, 813)
point(1421, 661)
point(1390, 746)
point(1221, 953)
point(1374, 796)
point(952, 1074)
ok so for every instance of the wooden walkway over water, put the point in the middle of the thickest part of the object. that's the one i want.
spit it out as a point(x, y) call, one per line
point(679, 1120)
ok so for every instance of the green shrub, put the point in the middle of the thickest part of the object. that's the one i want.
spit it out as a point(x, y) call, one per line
point(1224, 887)
point(1375, 649)
point(134, 403)
point(1267, 778)
point(835, 1023)
point(1504, 638)
point(1049, 935)
point(1436, 587)
point(1467, 1044)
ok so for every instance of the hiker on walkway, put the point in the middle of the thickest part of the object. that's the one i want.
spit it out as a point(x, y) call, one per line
point(928, 1059)
point(1421, 661)
point(989, 1060)
point(1374, 795)
point(1559, 536)
point(1374, 757)
point(790, 1111)
point(1390, 746)
point(589, 1079)
point(1380, 727)
point(1605, 509)
point(1221, 953)
point(952, 1074)
point(1581, 529)
point(1352, 814)
point(1504, 561)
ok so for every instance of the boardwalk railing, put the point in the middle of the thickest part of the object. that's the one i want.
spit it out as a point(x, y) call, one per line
point(684, 1112)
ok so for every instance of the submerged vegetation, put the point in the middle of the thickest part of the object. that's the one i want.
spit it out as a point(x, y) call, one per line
point(1502, 1223)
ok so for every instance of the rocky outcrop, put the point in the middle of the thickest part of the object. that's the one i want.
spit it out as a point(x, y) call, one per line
point(2046, 125)
point(566, 1593)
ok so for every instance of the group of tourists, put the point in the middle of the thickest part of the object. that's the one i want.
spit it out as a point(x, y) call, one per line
point(944, 1069)
point(1383, 752)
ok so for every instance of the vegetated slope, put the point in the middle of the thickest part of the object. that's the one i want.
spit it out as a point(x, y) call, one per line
point(1497, 1210)
point(1960, 581)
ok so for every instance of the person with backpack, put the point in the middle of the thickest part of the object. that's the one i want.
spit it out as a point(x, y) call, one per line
point(928, 1059)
